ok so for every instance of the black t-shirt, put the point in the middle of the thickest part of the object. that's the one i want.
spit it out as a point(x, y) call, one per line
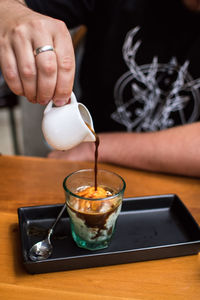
point(141, 65)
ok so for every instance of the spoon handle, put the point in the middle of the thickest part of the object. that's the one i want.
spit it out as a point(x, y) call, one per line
point(57, 219)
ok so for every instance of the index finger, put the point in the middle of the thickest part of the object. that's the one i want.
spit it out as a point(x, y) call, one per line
point(65, 65)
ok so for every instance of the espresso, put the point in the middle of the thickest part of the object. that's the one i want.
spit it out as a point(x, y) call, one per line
point(95, 161)
point(97, 141)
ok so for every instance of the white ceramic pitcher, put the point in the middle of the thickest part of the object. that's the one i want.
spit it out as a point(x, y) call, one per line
point(64, 127)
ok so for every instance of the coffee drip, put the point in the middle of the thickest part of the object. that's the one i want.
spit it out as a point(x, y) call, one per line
point(97, 141)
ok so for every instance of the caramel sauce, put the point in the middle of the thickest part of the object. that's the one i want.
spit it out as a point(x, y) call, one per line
point(93, 206)
point(92, 193)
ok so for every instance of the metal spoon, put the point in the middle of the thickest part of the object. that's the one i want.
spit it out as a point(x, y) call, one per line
point(43, 249)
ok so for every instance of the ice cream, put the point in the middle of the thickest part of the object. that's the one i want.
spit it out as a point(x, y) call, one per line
point(94, 220)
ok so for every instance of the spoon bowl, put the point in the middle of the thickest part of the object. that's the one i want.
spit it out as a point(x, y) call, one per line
point(43, 249)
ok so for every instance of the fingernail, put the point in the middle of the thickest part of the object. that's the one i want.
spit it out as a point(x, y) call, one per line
point(60, 102)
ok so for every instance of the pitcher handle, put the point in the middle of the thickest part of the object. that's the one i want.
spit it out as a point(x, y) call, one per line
point(50, 105)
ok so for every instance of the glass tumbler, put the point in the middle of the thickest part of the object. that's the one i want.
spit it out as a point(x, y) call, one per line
point(93, 220)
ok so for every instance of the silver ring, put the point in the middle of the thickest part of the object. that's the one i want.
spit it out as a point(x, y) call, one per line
point(43, 49)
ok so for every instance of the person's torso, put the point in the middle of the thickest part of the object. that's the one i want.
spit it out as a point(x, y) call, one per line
point(141, 70)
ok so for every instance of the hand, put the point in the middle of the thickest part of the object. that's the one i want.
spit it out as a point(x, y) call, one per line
point(50, 74)
point(193, 5)
point(82, 152)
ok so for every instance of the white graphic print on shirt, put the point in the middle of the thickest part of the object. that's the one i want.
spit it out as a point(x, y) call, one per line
point(156, 94)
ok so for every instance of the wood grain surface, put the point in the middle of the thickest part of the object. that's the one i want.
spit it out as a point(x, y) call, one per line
point(28, 181)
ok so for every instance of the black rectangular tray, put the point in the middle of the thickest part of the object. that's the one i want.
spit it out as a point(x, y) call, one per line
point(148, 228)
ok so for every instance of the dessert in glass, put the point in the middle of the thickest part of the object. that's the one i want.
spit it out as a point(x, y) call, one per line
point(93, 211)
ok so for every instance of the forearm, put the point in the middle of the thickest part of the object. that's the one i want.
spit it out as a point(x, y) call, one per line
point(175, 150)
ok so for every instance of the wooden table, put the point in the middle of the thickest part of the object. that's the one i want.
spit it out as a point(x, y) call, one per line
point(29, 181)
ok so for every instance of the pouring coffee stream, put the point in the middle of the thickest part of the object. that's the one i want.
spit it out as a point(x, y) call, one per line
point(97, 142)
point(67, 126)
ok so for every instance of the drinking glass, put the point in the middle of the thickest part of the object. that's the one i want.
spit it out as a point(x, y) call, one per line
point(93, 220)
